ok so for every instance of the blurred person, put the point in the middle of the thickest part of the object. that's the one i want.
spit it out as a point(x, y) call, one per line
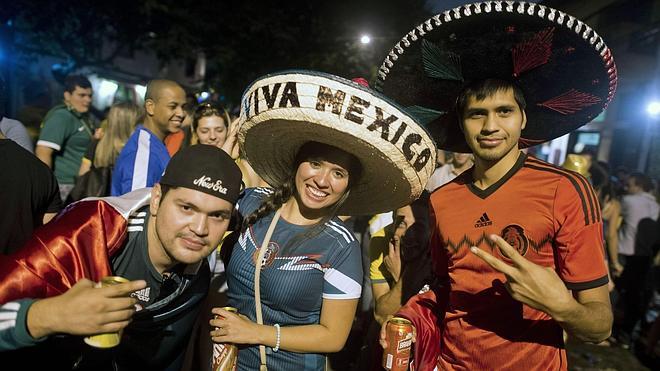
point(10, 128)
point(29, 195)
point(157, 238)
point(210, 125)
point(638, 207)
point(66, 133)
point(298, 301)
point(516, 242)
point(611, 213)
point(458, 163)
point(121, 121)
point(400, 266)
point(182, 138)
point(621, 174)
point(37, 101)
point(144, 157)
point(95, 173)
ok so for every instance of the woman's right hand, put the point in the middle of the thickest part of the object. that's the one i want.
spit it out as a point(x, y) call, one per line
point(231, 143)
point(229, 327)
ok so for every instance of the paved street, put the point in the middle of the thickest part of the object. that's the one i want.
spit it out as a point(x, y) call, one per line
point(589, 357)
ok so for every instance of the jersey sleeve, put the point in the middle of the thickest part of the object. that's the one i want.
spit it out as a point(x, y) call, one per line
point(121, 174)
point(378, 247)
point(13, 326)
point(251, 199)
point(55, 130)
point(579, 238)
point(343, 278)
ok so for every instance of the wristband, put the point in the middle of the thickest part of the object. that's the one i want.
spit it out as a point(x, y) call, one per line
point(277, 341)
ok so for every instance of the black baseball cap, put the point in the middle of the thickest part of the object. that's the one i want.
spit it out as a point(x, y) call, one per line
point(204, 168)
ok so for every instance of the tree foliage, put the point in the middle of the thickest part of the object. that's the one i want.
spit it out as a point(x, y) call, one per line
point(241, 39)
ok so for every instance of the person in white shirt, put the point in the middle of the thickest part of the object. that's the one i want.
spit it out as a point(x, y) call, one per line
point(446, 173)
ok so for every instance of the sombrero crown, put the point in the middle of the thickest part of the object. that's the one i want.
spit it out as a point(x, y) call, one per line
point(562, 66)
point(283, 111)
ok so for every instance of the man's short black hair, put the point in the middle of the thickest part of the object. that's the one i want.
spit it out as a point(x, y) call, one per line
point(483, 89)
point(71, 81)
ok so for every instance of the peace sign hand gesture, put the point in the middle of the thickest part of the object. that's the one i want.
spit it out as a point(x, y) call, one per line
point(537, 286)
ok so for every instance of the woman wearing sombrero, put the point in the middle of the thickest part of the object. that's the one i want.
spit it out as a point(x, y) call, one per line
point(517, 242)
point(329, 147)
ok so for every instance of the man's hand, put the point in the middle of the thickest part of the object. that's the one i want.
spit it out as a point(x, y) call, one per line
point(84, 310)
point(534, 285)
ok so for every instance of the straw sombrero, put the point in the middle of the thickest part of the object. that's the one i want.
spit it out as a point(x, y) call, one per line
point(563, 67)
point(281, 112)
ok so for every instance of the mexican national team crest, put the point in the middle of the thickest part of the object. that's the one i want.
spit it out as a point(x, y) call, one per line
point(269, 256)
point(514, 235)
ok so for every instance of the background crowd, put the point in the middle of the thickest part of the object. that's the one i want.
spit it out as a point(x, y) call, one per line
point(79, 154)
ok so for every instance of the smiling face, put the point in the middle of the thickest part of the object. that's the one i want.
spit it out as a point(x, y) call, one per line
point(166, 111)
point(211, 130)
point(79, 99)
point(322, 179)
point(492, 126)
point(186, 226)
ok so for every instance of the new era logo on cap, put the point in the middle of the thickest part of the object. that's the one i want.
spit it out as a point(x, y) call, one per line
point(484, 221)
point(206, 182)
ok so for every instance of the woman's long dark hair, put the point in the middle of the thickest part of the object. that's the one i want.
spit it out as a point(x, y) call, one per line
point(284, 192)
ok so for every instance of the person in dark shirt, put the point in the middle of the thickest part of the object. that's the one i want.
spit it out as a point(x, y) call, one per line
point(29, 195)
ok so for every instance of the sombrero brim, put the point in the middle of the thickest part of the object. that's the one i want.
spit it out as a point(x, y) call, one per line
point(281, 112)
point(563, 67)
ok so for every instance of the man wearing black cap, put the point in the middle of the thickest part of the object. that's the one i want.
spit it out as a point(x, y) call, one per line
point(156, 238)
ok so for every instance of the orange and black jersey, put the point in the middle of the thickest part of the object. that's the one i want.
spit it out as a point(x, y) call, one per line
point(552, 217)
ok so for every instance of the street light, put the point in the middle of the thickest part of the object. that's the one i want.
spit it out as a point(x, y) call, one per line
point(653, 108)
point(365, 39)
point(653, 111)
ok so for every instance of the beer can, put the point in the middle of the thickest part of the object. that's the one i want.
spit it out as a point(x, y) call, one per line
point(110, 339)
point(225, 355)
point(399, 334)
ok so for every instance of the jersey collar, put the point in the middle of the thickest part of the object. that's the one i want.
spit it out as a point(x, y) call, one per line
point(484, 193)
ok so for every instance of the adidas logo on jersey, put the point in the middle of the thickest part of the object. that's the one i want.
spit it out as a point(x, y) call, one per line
point(142, 295)
point(484, 221)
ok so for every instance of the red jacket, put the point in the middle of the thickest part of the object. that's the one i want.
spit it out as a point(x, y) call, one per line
point(76, 245)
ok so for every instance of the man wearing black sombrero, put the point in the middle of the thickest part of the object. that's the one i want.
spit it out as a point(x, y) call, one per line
point(517, 241)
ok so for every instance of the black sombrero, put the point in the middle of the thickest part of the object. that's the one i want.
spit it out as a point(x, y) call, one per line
point(562, 65)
